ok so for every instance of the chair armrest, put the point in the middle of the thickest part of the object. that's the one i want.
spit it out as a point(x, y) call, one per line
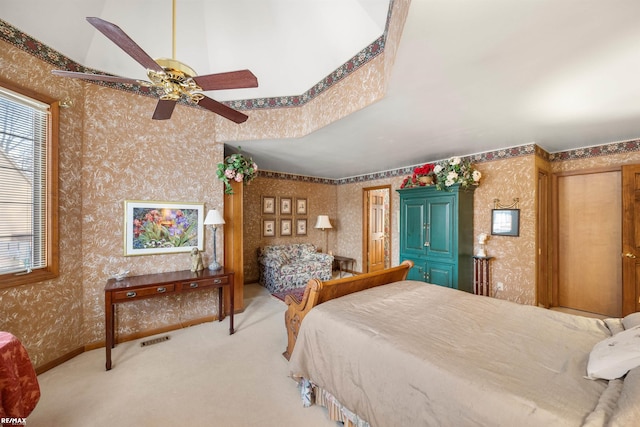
point(321, 257)
point(273, 262)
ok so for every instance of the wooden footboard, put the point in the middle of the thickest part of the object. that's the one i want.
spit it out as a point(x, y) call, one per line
point(318, 292)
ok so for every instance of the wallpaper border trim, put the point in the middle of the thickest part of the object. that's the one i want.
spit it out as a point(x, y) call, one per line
point(489, 156)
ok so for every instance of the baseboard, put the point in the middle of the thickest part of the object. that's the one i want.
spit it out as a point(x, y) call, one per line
point(60, 360)
point(119, 339)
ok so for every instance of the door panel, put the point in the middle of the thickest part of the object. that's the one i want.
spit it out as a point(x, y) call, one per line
point(589, 238)
point(417, 272)
point(440, 274)
point(376, 232)
point(439, 228)
point(630, 239)
point(414, 222)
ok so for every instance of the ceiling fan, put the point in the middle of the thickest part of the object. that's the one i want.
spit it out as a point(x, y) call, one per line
point(175, 79)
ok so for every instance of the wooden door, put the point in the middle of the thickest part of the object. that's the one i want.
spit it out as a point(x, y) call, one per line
point(630, 239)
point(589, 239)
point(376, 231)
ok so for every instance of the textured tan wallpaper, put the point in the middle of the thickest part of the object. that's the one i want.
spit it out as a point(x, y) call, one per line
point(321, 200)
point(47, 317)
point(110, 151)
point(128, 156)
point(514, 257)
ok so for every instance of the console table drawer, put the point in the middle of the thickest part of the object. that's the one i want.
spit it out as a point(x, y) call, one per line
point(205, 283)
point(143, 292)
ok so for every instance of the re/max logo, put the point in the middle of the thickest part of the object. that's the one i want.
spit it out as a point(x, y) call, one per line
point(14, 421)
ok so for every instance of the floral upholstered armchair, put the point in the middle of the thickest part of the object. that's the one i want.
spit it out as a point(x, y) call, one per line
point(285, 267)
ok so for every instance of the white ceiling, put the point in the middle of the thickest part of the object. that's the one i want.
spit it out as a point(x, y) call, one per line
point(470, 75)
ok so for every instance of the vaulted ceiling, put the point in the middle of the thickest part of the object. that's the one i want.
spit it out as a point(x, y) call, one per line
point(469, 75)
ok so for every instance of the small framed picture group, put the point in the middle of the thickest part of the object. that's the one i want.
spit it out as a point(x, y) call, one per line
point(288, 214)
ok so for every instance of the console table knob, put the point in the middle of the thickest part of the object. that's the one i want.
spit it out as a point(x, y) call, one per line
point(193, 285)
point(162, 289)
point(131, 294)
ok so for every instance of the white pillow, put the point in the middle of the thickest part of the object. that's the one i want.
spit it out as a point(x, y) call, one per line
point(631, 320)
point(613, 357)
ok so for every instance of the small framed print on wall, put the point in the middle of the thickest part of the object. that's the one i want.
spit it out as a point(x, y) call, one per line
point(268, 227)
point(301, 227)
point(285, 227)
point(505, 222)
point(268, 205)
point(285, 206)
point(301, 206)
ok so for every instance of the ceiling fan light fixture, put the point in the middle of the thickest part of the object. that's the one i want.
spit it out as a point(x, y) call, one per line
point(176, 81)
point(176, 66)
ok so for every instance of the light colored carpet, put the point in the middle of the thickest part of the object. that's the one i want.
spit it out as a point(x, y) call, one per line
point(201, 376)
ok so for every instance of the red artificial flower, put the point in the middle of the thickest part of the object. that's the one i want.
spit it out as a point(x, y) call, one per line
point(425, 169)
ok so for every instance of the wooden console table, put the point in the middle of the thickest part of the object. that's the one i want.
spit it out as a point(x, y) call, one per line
point(152, 285)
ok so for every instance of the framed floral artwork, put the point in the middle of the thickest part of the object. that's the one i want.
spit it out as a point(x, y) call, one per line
point(301, 227)
point(268, 205)
point(285, 206)
point(285, 227)
point(152, 227)
point(268, 227)
point(301, 206)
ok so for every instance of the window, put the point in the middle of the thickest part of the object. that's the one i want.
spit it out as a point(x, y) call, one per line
point(28, 187)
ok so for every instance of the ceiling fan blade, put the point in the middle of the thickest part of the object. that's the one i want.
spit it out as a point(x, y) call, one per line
point(124, 42)
point(164, 109)
point(231, 80)
point(223, 110)
point(100, 77)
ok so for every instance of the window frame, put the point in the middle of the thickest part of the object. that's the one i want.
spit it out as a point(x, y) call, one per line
point(51, 269)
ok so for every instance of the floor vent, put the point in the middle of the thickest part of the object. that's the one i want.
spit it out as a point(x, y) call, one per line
point(154, 341)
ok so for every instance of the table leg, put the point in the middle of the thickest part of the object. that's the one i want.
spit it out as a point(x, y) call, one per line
point(220, 304)
point(231, 308)
point(109, 328)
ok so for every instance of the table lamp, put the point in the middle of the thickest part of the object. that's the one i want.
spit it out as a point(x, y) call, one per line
point(214, 219)
point(323, 223)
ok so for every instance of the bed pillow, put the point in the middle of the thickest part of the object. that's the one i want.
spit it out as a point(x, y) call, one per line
point(631, 320)
point(615, 356)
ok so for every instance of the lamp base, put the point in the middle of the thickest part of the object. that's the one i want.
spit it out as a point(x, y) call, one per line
point(215, 266)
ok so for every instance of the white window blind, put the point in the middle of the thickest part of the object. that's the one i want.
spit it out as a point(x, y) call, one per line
point(24, 124)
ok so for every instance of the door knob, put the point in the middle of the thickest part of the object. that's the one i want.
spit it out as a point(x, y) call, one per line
point(630, 255)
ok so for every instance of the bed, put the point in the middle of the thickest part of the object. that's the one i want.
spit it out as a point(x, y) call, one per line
point(399, 352)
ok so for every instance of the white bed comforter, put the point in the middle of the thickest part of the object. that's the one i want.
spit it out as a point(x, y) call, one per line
point(413, 354)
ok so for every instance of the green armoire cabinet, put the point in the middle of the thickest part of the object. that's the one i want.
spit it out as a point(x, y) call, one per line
point(436, 233)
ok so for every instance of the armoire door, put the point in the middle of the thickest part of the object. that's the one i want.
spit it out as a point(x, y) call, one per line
point(439, 229)
point(412, 227)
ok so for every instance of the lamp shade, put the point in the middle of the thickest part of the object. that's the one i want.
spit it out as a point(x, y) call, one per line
point(323, 222)
point(213, 218)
